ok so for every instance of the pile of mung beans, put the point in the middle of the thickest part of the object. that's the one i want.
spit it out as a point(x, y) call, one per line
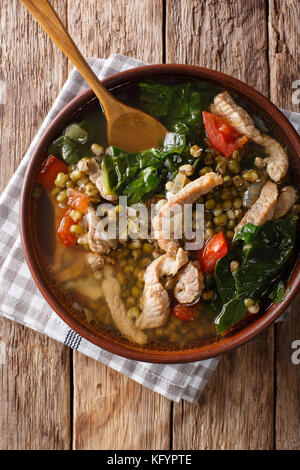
point(224, 205)
point(131, 261)
point(75, 179)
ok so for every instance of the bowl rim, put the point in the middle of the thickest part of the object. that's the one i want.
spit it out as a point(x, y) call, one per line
point(208, 350)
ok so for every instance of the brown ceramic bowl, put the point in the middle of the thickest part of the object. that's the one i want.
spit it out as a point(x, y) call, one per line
point(121, 81)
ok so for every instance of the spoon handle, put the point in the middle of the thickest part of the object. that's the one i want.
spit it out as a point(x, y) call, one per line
point(42, 11)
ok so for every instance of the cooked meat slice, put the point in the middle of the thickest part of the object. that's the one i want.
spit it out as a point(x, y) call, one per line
point(187, 195)
point(95, 236)
point(190, 284)
point(225, 106)
point(195, 189)
point(285, 201)
point(264, 208)
point(95, 173)
point(277, 161)
point(112, 294)
point(95, 261)
point(167, 265)
point(156, 307)
point(155, 300)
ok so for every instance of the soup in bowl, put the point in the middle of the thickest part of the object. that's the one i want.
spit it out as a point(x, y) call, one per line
point(175, 253)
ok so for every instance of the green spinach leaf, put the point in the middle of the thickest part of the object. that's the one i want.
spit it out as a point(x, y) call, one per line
point(146, 181)
point(174, 143)
point(224, 277)
point(123, 173)
point(268, 248)
point(110, 174)
point(77, 138)
point(71, 151)
point(232, 312)
point(179, 107)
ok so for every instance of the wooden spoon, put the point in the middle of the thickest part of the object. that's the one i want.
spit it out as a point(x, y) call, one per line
point(128, 128)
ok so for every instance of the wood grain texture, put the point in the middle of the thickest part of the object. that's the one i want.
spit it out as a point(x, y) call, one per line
point(235, 410)
point(34, 391)
point(131, 27)
point(33, 71)
point(239, 399)
point(287, 418)
point(34, 383)
point(284, 69)
point(226, 35)
point(284, 40)
point(111, 411)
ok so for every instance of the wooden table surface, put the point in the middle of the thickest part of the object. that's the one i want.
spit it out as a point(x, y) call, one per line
point(53, 398)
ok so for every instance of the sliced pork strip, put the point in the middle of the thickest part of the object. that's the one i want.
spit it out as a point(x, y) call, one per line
point(264, 208)
point(225, 106)
point(95, 261)
point(112, 294)
point(286, 200)
point(156, 307)
point(187, 195)
point(96, 239)
point(170, 246)
point(277, 163)
point(195, 189)
point(155, 300)
point(190, 283)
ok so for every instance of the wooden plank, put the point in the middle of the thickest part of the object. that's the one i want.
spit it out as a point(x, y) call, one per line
point(287, 423)
point(111, 411)
point(284, 38)
point(220, 35)
point(284, 69)
point(34, 391)
point(239, 398)
point(130, 27)
point(34, 383)
point(235, 410)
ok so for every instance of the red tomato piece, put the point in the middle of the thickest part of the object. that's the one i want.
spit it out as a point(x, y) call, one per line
point(78, 200)
point(49, 171)
point(68, 238)
point(214, 249)
point(222, 135)
point(185, 312)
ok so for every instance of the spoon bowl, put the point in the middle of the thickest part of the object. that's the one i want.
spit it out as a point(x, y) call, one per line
point(141, 132)
point(128, 128)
